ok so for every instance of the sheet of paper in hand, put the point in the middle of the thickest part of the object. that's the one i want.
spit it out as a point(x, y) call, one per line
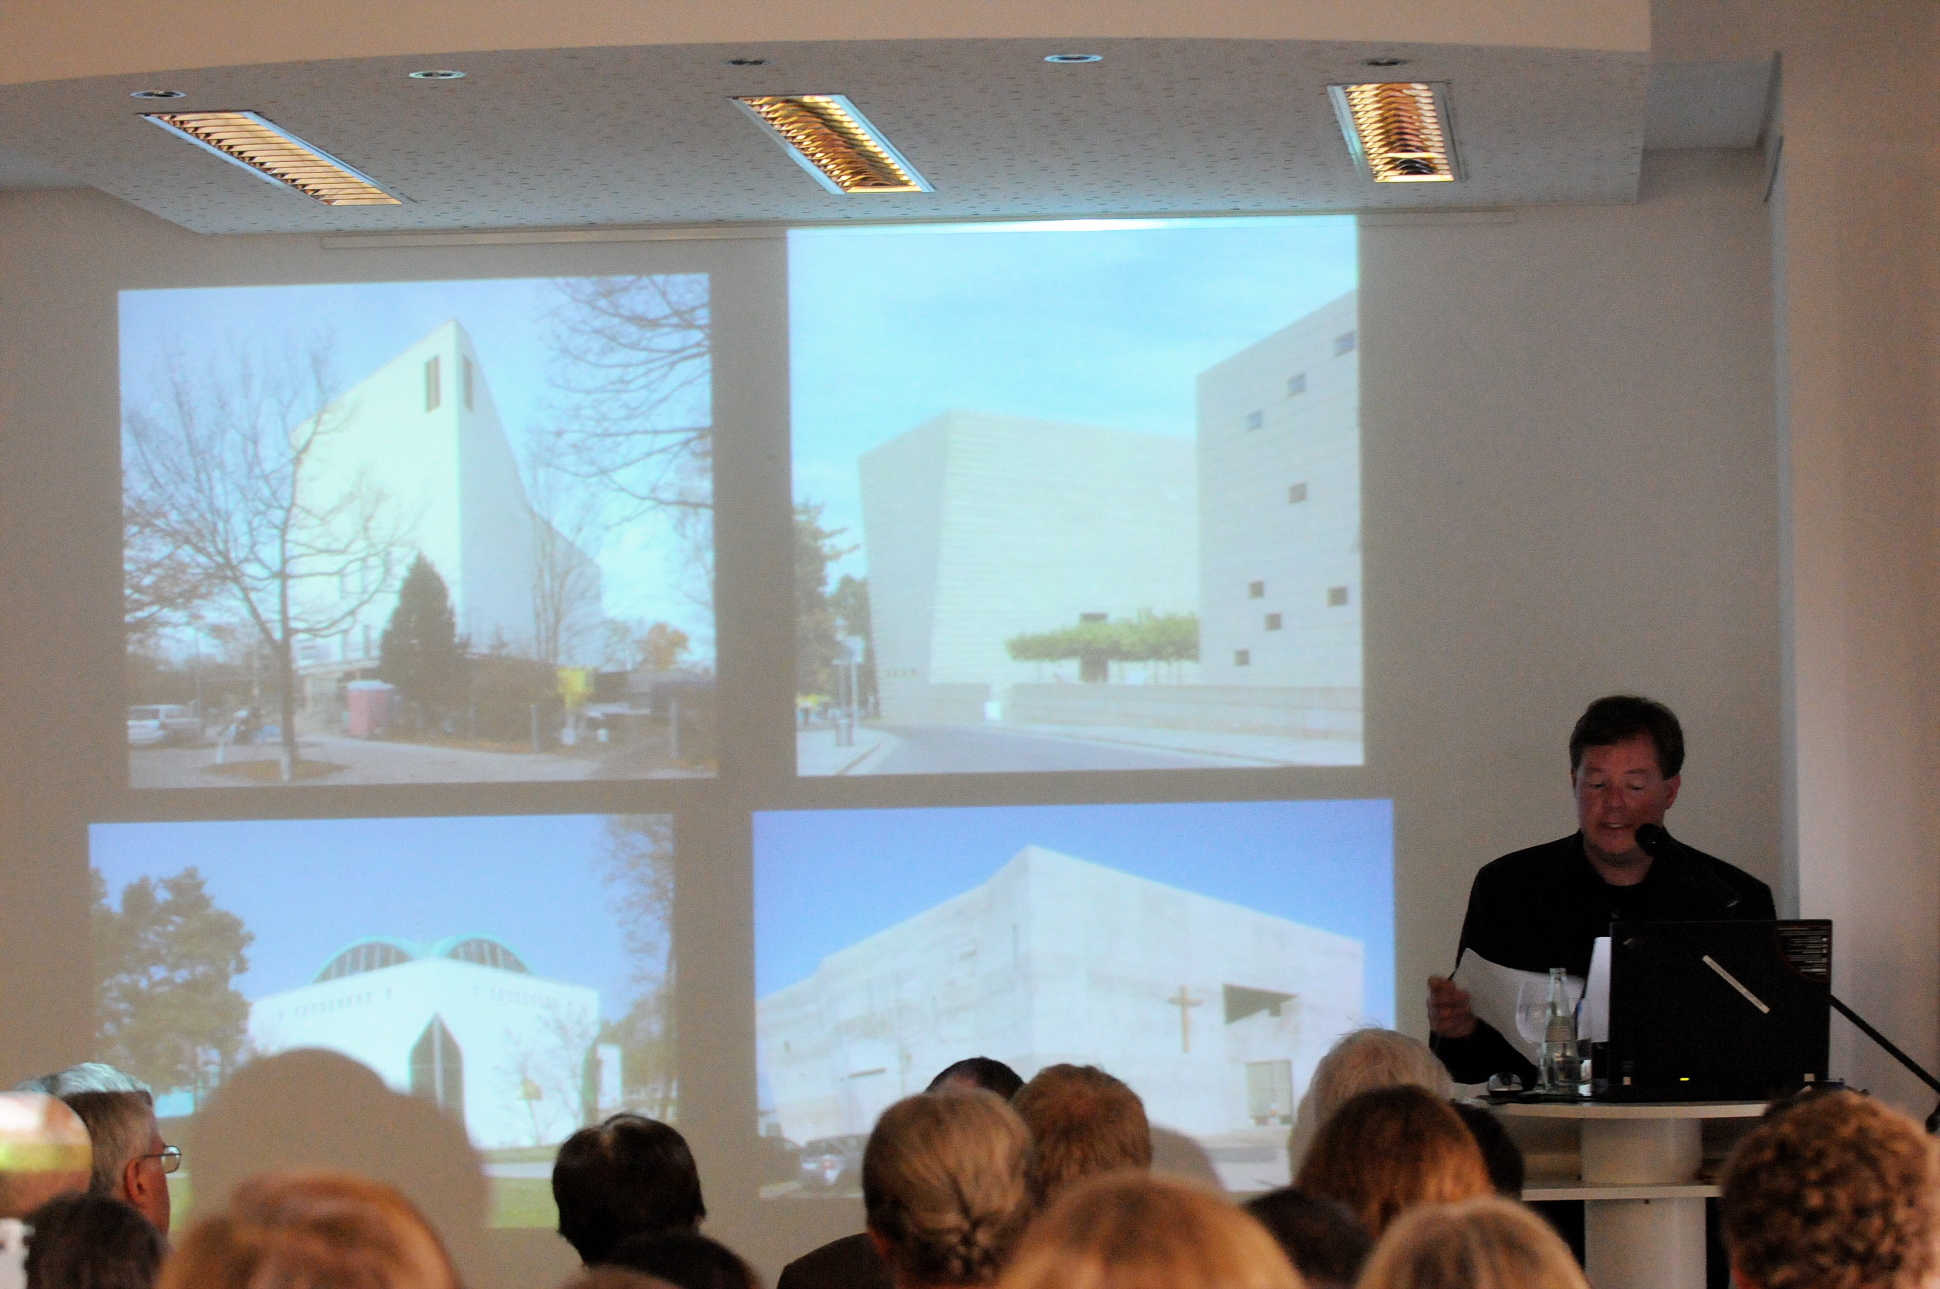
point(1513, 1002)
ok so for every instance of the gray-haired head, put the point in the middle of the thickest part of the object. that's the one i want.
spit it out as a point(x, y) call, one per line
point(1362, 1061)
point(120, 1128)
point(88, 1076)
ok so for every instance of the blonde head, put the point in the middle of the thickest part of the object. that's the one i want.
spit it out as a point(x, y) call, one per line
point(1388, 1150)
point(943, 1183)
point(311, 1230)
point(1487, 1243)
point(1135, 1231)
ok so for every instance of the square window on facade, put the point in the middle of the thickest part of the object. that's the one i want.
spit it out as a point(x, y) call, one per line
point(1336, 596)
point(1254, 420)
point(1296, 384)
point(1297, 493)
point(1255, 590)
point(1272, 622)
point(1344, 344)
point(432, 390)
point(1242, 657)
point(468, 383)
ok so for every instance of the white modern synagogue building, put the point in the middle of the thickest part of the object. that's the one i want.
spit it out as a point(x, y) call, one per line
point(1215, 1014)
point(422, 436)
point(979, 528)
point(462, 1022)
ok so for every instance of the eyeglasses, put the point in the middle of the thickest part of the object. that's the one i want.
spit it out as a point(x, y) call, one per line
point(171, 1157)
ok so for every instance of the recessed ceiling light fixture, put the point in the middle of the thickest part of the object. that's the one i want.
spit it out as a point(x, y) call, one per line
point(747, 62)
point(1074, 58)
point(1398, 130)
point(828, 137)
point(438, 74)
point(273, 154)
point(1385, 62)
point(158, 94)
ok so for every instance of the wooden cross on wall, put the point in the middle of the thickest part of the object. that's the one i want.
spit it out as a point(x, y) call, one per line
point(1185, 1002)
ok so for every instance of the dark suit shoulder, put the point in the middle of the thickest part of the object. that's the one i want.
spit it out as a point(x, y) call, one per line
point(1518, 866)
point(848, 1263)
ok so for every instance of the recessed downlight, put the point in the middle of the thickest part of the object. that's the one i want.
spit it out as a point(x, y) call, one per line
point(158, 94)
point(1386, 62)
point(438, 74)
point(273, 154)
point(1074, 58)
point(747, 62)
point(829, 137)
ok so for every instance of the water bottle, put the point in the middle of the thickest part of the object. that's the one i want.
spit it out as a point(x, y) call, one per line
point(1559, 1037)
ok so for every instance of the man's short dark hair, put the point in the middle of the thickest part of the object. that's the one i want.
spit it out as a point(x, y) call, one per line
point(983, 1072)
point(92, 1240)
point(1621, 717)
point(630, 1175)
point(1322, 1238)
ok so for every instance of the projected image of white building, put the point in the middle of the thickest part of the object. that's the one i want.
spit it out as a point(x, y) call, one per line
point(1147, 601)
point(1214, 1013)
point(463, 1022)
point(980, 528)
point(422, 436)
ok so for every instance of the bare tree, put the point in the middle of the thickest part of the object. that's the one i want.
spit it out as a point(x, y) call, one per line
point(161, 586)
point(633, 368)
point(547, 1062)
point(637, 862)
point(565, 578)
point(228, 466)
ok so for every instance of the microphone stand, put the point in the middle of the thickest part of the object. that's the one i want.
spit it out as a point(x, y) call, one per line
point(1933, 1120)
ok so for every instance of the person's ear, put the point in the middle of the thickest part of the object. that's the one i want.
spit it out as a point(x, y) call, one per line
point(880, 1241)
point(1739, 1280)
point(1671, 785)
point(134, 1184)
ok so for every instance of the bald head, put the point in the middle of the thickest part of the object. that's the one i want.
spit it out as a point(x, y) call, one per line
point(44, 1152)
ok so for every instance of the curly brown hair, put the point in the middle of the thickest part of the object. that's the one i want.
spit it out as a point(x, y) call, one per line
point(1835, 1191)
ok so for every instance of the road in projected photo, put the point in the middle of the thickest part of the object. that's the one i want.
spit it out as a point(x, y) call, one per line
point(524, 999)
point(420, 532)
point(1077, 496)
point(1207, 954)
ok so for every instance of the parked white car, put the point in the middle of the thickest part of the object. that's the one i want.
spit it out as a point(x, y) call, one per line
point(163, 723)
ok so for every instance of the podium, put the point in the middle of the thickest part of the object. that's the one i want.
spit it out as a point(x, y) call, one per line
point(1643, 1214)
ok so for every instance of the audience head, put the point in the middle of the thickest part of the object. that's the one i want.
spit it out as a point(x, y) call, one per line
point(945, 1188)
point(1322, 1237)
point(1499, 1151)
point(128, 1150)
point(630, 1175)
point(1134, 1231)
point(88, 1076)
point(1388, 1150)
point(1486, 1243)
point(311, 1231)
point(1367, 1059)
point(1082, 1122)
point(979, 1072)
point(44, 1152)
point(607, 1276)
point(1833, 1191)
point(92, 1242)
point(683, 1259)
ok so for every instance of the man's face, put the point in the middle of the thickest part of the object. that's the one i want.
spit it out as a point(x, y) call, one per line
point(1619, 788)
point(147, 1184)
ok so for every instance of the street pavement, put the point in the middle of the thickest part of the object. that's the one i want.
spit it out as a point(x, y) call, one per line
point(364, 762)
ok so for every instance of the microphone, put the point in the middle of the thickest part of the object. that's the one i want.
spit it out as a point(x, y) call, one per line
point(1655, 841)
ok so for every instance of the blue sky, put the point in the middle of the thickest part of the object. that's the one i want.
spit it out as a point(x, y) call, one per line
point(369, 324)
point(1101, 322)
point(825, 879)
point(307, 888)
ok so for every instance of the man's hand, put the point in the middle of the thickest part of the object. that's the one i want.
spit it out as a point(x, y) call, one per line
point(1448, 1011)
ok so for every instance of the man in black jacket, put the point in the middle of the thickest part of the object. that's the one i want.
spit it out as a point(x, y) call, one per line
point(1544, 907)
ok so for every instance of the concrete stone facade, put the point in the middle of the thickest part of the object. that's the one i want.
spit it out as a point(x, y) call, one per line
point(1214, 1013)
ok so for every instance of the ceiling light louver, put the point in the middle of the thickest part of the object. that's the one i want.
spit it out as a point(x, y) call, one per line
point(830, 139)
point(272, 153)
point(1398, 131)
